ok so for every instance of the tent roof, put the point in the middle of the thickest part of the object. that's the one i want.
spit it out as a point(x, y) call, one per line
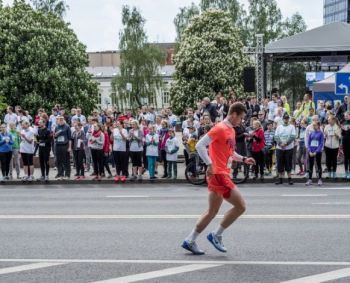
point(331, 39)
point(328, 85)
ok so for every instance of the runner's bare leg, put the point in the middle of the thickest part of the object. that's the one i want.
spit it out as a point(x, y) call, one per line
point(239, 207)
point(215, 202)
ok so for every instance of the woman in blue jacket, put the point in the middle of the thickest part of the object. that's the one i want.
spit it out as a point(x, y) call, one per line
point(6, 143)
point(315, 147)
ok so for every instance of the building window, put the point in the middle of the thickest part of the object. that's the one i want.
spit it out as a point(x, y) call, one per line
point(166, 97)
point(99, 98)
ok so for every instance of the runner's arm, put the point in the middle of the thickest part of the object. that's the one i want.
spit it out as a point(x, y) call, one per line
point(237, 157)
point(202, 150)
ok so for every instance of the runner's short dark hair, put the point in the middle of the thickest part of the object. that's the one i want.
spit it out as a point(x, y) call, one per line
point(237, 108)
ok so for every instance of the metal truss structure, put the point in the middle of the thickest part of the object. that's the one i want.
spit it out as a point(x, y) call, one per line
point(258, 52)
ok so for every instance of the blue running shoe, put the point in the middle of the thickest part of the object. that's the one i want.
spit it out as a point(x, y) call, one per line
point(217, 242)
point(192, 247)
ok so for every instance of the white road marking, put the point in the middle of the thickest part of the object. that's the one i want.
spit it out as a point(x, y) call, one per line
point(167, 261)
point(121, 196)
point(331, 203)
point(301, 195)
point(159, 273)
point(323, 277)
point(170, 216)
point(27, 267)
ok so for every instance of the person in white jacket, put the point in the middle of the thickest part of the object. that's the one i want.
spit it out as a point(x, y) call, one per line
point(332, 134)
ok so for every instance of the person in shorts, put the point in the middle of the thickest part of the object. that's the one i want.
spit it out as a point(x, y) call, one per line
point(221, 142)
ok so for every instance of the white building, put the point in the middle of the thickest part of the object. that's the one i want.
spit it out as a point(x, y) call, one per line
point(104, 66)
point(108, 98)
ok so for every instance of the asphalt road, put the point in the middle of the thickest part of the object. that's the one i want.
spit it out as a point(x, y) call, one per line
point(133, 233)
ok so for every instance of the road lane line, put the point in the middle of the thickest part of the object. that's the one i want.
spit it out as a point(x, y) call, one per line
point(169, 261)
point(331, 203)
point(121, 196)
point(168, 216)
point(323, 277)
point(159, 273)
point(301, 195)
point(27, 267)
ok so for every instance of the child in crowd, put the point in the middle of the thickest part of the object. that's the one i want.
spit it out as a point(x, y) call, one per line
point(152, 141)
point(172, 148)
point(269, 147)
point(315, 148)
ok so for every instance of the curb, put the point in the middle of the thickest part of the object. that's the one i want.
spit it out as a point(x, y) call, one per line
point(158, 181)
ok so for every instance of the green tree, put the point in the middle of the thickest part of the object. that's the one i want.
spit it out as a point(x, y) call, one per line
point(42, 62)
point(140, 62)
point(264, 18)
point(290, 77)
point(210, 58)
point(183, 19)
point(57, 7)
point(294, 25)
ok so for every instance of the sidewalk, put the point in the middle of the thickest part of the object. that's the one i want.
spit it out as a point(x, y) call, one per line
point(180, 178)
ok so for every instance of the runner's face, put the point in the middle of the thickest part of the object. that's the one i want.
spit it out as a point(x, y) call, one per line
point(236, 119)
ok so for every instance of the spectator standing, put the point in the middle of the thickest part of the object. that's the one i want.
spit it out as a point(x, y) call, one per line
point(210, 108)
point(163, 137)
point(136, 150)
point(6, 143)
point(269, 135)
point(315, 146)
point(120, 155)
point(285, 136)
point(301, 151)
point(79, 143)
point(78, 117)
point(305, 107)
point(272, 106)
point(258, 145)
point(172, 147)
point(10, 117)
point(332, 133)
point(96, 142)
point(63, 145)
point(15, 160)
point(152, 141)
point(44, 141)
point(106, 152)
point(346, 143)
point(27, 150)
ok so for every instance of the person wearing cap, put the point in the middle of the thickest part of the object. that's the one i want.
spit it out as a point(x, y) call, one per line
point(284, 137)
point(63, 146)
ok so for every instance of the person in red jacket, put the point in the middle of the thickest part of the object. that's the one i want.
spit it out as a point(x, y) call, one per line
point(258, 148)
point(106, 151)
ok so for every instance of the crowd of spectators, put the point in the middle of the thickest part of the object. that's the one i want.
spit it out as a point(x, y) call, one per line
point(105, 144)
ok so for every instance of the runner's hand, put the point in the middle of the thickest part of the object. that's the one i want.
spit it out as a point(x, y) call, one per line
point(210, 171)
point(250, 161)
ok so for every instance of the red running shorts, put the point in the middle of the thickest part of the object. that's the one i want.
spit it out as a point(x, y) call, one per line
point(221, 184)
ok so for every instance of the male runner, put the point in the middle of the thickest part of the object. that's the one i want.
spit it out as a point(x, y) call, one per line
point(221, 142)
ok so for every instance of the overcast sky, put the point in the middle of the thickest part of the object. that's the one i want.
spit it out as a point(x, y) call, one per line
point(98, 22)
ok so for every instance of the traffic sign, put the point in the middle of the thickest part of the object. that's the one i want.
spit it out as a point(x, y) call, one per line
point(342, 83)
